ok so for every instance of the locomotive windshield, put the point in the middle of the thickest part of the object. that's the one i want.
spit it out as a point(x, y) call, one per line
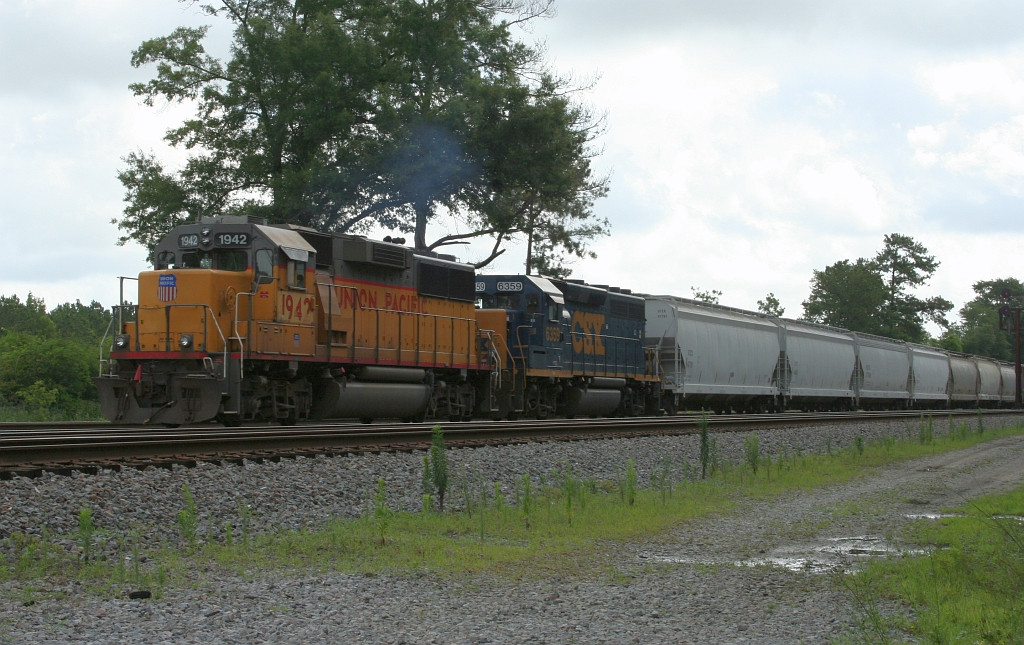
point(499, 301)
point(220, 259)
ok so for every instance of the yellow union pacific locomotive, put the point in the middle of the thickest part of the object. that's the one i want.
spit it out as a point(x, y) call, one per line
point(242, 321)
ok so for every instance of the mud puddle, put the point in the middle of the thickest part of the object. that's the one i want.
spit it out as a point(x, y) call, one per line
point(831, 555)
point(827, 555)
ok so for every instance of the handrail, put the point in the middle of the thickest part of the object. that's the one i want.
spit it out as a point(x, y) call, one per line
point(103, 341)
point(238, 335)
point(494, 356)
point(116, 309)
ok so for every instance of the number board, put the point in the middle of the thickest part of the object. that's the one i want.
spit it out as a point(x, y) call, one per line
point(231, 239)
point(188, 240)
point(510, 286)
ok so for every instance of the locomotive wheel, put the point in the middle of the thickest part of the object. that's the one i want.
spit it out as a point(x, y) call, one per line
point(289, 419)
point(229, 420)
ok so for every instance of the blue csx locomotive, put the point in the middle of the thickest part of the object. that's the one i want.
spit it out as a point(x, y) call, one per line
point(242, 321)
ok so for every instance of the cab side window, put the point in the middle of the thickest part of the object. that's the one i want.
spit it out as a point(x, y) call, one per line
point(296, 274)
point(297, 259)
point(532, 304)
point(264, 264)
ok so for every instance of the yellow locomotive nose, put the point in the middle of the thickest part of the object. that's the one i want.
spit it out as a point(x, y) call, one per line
point(185, 310)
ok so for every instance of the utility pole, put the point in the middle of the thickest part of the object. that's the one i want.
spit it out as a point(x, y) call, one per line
point(1009, 320)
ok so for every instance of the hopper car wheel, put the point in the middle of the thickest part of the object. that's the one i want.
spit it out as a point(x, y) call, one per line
point(670, 405)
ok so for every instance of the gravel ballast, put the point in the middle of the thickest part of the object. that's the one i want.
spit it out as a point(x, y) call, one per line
point(695, 585)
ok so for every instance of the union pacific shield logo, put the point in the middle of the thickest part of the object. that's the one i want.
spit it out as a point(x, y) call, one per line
point(167, 289)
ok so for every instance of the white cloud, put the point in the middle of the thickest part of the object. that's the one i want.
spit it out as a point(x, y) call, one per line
point(983, 83)
point(996, 152)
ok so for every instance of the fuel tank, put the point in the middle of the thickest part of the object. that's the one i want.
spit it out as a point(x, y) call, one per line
point(591, 402)
point(338, 399)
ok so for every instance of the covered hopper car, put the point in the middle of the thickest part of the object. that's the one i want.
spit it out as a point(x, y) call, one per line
point(721, 358)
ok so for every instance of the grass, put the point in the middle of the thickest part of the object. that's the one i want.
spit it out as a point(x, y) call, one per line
point(968, 588)
point(561, 527)
point(552, 536)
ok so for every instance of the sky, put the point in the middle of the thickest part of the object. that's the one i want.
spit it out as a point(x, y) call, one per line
point(748, 143)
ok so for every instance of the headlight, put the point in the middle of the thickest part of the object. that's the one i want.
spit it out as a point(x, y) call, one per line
point(185, 342)
point(121, 341)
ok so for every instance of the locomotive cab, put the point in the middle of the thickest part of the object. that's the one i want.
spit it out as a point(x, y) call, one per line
point(537, 321)
point(575, 349)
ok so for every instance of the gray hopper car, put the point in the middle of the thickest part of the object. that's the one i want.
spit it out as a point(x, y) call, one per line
point(725, 359)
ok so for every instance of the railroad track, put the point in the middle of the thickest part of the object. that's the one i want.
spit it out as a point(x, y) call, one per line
point(32, 449)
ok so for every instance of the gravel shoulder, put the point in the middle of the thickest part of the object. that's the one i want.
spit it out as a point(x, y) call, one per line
point(697, 584)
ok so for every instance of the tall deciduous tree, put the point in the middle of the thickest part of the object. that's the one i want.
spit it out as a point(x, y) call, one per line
point(848, 295)
point(338, 114)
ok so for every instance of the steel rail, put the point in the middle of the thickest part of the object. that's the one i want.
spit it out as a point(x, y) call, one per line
point(30, 450)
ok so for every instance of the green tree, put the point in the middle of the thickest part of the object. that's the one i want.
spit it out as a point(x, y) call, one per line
point(979, 319)
point(85, 324)
point(848, 295)
point(874, 296)
point(904, 264)
point(951, 339)
point(711, 296)
point(338, 114)
point(29, 317)
point(771, 306)
point(33, 365)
